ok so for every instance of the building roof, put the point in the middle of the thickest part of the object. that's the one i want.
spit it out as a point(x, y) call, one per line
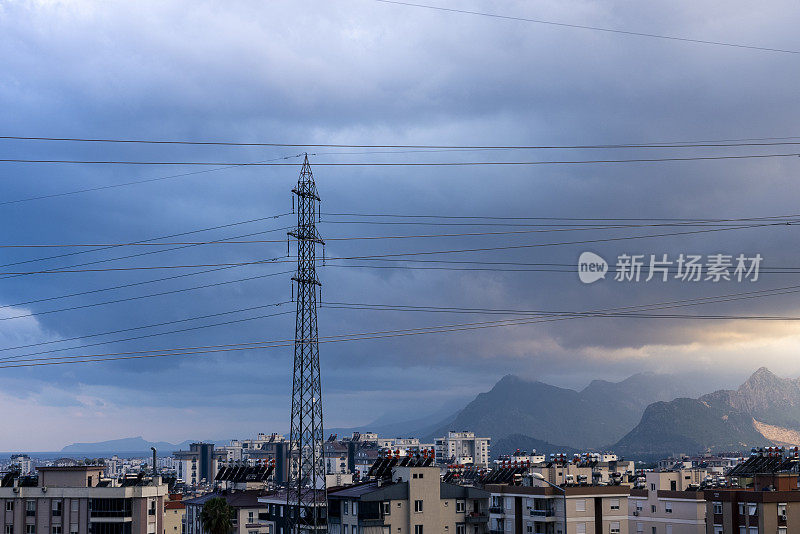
point(237, 499)
point(174, 505)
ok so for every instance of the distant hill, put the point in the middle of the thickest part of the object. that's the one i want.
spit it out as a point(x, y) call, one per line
point(126, 445)
point(595, 417)
point(764, 410)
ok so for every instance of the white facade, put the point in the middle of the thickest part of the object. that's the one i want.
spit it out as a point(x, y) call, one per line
point(462, 448)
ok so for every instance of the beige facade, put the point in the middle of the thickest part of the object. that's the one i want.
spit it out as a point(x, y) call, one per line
point(174, 514)
point(415, 501)
point(740, 511)
point(662, 509)
point(67, 500)
point(537, 510)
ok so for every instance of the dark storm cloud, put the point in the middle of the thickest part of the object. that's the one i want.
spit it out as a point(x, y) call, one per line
point(362, 72)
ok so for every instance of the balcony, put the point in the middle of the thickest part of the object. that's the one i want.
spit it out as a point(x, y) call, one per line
point(496, 509)
point(476, 518)
point(542, 513)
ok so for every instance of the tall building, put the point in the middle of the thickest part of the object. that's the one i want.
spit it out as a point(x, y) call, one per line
point(77, 500)
point(198, 465)
point(462, 448)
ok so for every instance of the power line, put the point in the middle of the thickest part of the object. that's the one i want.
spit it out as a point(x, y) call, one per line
point(169, 332)
point(401, 254)
point(751, 141)
point(135, 182)
point(141, 327)
point(593, 28)
point(189, 351)
point(496, 218)
point(405, 163)
point(236, 241)
point(138, 297)
point(154, 239)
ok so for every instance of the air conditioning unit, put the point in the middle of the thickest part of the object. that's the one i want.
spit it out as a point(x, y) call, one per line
point(636, 512)
point(44, 489)
point(783, 517)
point(15, 489)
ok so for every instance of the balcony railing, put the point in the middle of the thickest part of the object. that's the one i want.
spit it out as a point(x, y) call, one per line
point(476, 517)
point(542, 513)
point(496, 509)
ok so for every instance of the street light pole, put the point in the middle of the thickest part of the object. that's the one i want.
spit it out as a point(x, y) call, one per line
point(539, 476)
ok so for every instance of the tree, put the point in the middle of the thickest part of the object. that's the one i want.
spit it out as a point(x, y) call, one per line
point(217, 516)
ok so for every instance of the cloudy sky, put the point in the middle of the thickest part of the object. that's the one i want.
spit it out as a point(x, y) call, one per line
point(362, 72)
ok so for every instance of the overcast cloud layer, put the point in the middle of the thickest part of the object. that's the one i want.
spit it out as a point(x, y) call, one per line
point(364, 72)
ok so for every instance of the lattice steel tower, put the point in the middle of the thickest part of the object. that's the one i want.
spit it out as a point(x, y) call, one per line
point(306, 493)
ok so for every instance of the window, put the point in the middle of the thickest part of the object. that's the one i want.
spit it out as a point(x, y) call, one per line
point(461, 528)
point(355, 507)
point(652, 487)
point(460, 507)
point(9, 529)
point(9, 506)
point(717, 529)
point(30, 508)
point(652, 508)
point(654, 531)
point(421, 474)
point(752, 508)
point(782, 530)
point(344, 529)
point(417, 529)
point(30, 529)
point(345, 507)
point(387, 508)
point(73, 505)
point(57, 506)
point(742, 530)
point(615, 504)
point(668, 507)
point(151, 509)
point(614, 527)
point(753, 530)
point(669, 529)
point(639, 527)
point(639, 506)
point(418, 507)
point(56, 529)
point(741, 508)
point(580, 528)
point(782, 510)
point(717, 508)
point(580, 505)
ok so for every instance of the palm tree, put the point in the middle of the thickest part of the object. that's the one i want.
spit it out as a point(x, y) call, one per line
point(217, 516)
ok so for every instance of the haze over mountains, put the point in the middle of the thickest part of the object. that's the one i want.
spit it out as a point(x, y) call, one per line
point(644, 416)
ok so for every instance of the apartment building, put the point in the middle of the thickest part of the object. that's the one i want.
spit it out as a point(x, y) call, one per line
point(462, 448)
point(174, 514)
point(199, 464)
point(77, 500)
point(670, 503)
point(275, 516)
point(246, 519)
point(738, 511)
point(589, 472)
point(412, 501)
point(527, 509)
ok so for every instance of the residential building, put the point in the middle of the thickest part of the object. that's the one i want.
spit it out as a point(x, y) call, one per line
point(245, 503)
point(462, 448)
point(670, 503)
point(174, 514)
point(412, 501)
point(23, 462)
point(276, 513)
point(77, 500)
point(529, 509)
point(198, 465)
point(745, 511)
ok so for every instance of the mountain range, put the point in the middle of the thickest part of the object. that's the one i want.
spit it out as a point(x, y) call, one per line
point(764, 410)
point(645, 416)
